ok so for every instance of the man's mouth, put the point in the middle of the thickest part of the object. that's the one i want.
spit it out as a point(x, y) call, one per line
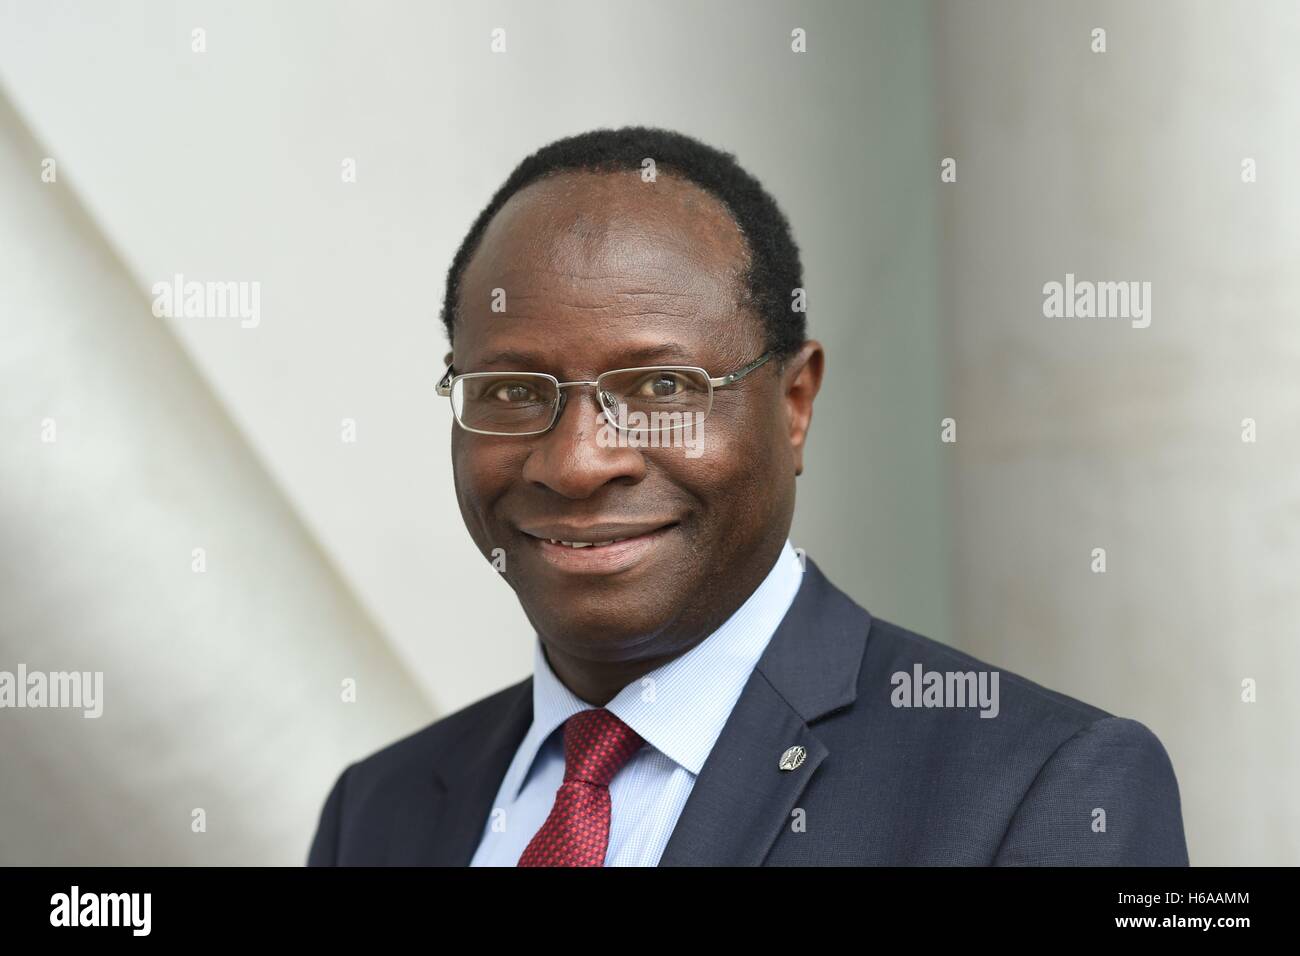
point(601, 549)
point(586, 544)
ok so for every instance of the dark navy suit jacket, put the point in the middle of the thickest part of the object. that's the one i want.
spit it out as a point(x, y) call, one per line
point(880, 784)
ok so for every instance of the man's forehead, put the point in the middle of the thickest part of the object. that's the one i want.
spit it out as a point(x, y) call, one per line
point(578, 346)
point(589, 226)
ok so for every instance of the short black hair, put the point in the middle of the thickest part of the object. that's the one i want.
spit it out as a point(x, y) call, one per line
point(774, 270)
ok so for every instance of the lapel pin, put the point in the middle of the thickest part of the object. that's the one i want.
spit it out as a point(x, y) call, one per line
point(792, 758)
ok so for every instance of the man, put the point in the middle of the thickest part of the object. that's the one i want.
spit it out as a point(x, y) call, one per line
point(700, 694)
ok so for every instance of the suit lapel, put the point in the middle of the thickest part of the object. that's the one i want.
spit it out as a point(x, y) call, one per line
point(742, 798)
point(468, 778)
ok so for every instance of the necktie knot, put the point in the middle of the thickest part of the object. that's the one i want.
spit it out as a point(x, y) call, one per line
point(596, 745)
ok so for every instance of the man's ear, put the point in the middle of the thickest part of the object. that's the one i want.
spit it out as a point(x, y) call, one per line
point(801, 381)
point(446, 359)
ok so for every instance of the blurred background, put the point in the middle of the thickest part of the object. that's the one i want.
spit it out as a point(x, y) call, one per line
point(237, 525)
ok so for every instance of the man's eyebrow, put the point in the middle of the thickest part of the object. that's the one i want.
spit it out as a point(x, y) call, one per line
point(514, 360)
point(664, 352)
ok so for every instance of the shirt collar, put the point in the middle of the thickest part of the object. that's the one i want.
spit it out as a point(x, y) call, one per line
point(680, 707)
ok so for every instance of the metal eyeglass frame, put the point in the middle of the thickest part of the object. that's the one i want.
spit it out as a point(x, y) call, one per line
point(449, 379)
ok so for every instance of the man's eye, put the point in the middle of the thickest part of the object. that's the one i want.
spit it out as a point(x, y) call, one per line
point(661, 385)
point(514, 393)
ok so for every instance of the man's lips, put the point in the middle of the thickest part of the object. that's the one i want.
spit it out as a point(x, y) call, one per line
point(598, 549)
point(593, 534)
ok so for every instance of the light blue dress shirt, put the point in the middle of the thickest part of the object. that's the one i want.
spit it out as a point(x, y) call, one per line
point(679, 708)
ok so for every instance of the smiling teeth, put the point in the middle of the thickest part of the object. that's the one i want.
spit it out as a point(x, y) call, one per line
point(585, 544)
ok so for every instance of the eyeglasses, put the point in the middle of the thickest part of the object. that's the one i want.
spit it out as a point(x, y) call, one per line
point(653, 398)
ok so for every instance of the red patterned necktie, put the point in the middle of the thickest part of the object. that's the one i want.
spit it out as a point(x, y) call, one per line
point(596, 745)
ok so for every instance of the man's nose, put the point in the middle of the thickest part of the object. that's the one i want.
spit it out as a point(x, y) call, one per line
point(582, 453)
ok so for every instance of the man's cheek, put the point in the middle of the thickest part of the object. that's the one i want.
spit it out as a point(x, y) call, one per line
point(484, 478)
point(474, 499)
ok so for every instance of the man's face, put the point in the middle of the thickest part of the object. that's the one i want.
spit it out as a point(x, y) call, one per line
point(601, 272)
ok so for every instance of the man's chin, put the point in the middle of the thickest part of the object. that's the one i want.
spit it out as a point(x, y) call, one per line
point(600, 632)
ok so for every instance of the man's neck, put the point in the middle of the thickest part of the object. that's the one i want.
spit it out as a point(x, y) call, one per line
point(598, 682)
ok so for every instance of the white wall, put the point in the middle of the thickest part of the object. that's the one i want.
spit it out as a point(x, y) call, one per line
point(222, 691)
point(1086, 433)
